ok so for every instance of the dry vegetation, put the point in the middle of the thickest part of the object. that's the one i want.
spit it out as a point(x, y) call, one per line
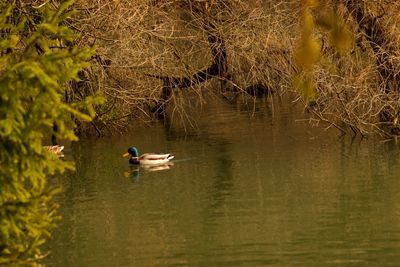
point(153, 57)
point(360, 89)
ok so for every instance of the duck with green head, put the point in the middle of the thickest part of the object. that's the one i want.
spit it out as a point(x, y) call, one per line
point(147, 158)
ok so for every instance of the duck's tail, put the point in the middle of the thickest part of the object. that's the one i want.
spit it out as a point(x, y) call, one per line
point(54, 149)
point(57, 150)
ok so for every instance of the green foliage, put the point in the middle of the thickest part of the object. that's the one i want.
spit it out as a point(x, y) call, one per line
point(308, 51)
point(339, 35)
point(306, 85)
point(37, 60)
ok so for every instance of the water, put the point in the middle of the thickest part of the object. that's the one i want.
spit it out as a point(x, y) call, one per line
point(251, 188)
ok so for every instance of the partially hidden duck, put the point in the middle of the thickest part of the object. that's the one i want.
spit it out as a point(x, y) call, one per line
point(57, 150)
point(147, 158)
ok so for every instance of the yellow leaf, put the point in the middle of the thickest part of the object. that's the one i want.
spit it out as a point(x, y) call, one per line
point(307, 53)
point(311, 3)
point(308, 23)
point(306, 86)
point(341, 37)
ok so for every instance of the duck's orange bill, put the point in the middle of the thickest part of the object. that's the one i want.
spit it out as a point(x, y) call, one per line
point(125, 154)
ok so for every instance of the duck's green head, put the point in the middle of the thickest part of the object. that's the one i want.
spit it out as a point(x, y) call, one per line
point(132, 151)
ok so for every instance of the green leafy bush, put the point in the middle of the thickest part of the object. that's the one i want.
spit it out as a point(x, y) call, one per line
point(37, 60)
point(308, 51)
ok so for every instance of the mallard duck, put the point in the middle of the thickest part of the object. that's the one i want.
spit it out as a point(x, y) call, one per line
point(148, 158)
point(57, 150)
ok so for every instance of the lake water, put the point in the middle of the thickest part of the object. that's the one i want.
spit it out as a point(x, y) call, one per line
point(247, 188)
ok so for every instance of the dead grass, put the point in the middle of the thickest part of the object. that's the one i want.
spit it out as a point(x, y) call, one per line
point(143, 39)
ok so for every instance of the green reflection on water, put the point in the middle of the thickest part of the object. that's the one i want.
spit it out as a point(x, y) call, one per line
point(244, 191)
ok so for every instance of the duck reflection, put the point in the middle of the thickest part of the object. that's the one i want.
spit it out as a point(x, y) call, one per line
point(134, 173)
